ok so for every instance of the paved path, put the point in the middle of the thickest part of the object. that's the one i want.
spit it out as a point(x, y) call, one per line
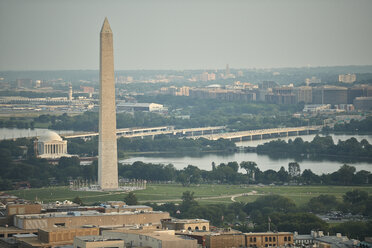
point(232, 197)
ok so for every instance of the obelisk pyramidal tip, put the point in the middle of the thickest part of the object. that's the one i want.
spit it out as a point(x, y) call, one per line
point(106, 27)
point(107, 147)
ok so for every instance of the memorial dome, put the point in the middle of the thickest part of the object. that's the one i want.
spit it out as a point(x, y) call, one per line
point(50, 136)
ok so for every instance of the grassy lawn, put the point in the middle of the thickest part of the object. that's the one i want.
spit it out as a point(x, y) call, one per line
point(220, 194)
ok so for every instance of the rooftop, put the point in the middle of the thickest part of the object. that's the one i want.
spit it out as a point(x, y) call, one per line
point(50, 136)
point(99, 238)
point(78, 214)
point(269, 233)
point(188, 221)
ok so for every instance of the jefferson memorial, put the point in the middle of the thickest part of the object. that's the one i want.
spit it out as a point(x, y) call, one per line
point(51, 146)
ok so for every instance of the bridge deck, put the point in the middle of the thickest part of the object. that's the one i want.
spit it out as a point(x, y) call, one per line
point(259, 132)
point(151, 131)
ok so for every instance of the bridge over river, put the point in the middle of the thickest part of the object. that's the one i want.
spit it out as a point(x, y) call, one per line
point(154, 131)
point(262, 133)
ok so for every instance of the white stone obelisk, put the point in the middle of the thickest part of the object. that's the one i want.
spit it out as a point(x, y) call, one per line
point(107, 148)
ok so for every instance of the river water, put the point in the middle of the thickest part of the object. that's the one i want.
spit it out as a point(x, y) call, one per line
point(204, 160)
point(14, 133)
point(264, 162)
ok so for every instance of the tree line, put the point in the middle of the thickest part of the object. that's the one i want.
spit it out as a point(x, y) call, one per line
point(160, 143)
point(228, 173)
point(318, 147)
point(19, 164)
point(355, 126)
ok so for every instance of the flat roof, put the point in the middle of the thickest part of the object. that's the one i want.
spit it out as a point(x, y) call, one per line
point(187, 221)
point(168, 237)
point(153, 233)
point(150, 229)
point(127, 206)
point(268, 233)
point(34, 241)
point(99, 238)
point(63, 228)
point(302, 236)
point(12, 229)
point(79, 214)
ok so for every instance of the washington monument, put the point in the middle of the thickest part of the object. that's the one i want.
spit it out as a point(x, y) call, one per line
point(107, 148)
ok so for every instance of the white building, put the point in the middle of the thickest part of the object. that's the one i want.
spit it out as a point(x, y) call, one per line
point(316, 107)
point(347, 78)
point(51, 145)
point(129, 106)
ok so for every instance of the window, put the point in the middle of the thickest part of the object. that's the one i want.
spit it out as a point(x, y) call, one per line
point(289, 238)
point(189, 228)
point(274, 239)
point(204, 228)
point(250, 239)
point(265, 239)
point(254, 239)
point(59, 224)
point(285, 238)
point(266, 245)
point(270, 239)
point(197, 228)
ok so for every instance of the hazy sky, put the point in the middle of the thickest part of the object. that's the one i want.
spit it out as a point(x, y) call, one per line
point(185, 34)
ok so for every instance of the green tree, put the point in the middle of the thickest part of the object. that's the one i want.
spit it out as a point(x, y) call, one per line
point(249, 167)
point(77, 200)
point(131, 199)
point(323, 204)
point(346, 174)
point(188, 200)
point(356, 196)
point(283, 175)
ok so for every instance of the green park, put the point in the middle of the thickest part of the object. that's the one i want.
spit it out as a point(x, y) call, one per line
point(204, 193)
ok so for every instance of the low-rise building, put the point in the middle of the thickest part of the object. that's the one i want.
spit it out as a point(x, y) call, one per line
point(77, 219)
point(315, 108)
point(318, 239)
point(98, 242)
point(149, 236)
point(347, 78)
point(218, 240)
point(126, 208)
point(363, 103)
point(129, 106)
point(269, 239)
point(46, 238)
point(186, 224)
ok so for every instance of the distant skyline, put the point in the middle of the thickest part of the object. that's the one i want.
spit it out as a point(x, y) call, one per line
point(182, 35)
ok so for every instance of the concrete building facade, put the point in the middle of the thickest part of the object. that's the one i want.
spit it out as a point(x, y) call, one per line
point(152, 238)
point(78, 219)
point(269, 239)
point(98, 242)
point(186, 224)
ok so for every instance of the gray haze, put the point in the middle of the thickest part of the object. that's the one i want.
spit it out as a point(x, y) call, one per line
point(175, 34)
